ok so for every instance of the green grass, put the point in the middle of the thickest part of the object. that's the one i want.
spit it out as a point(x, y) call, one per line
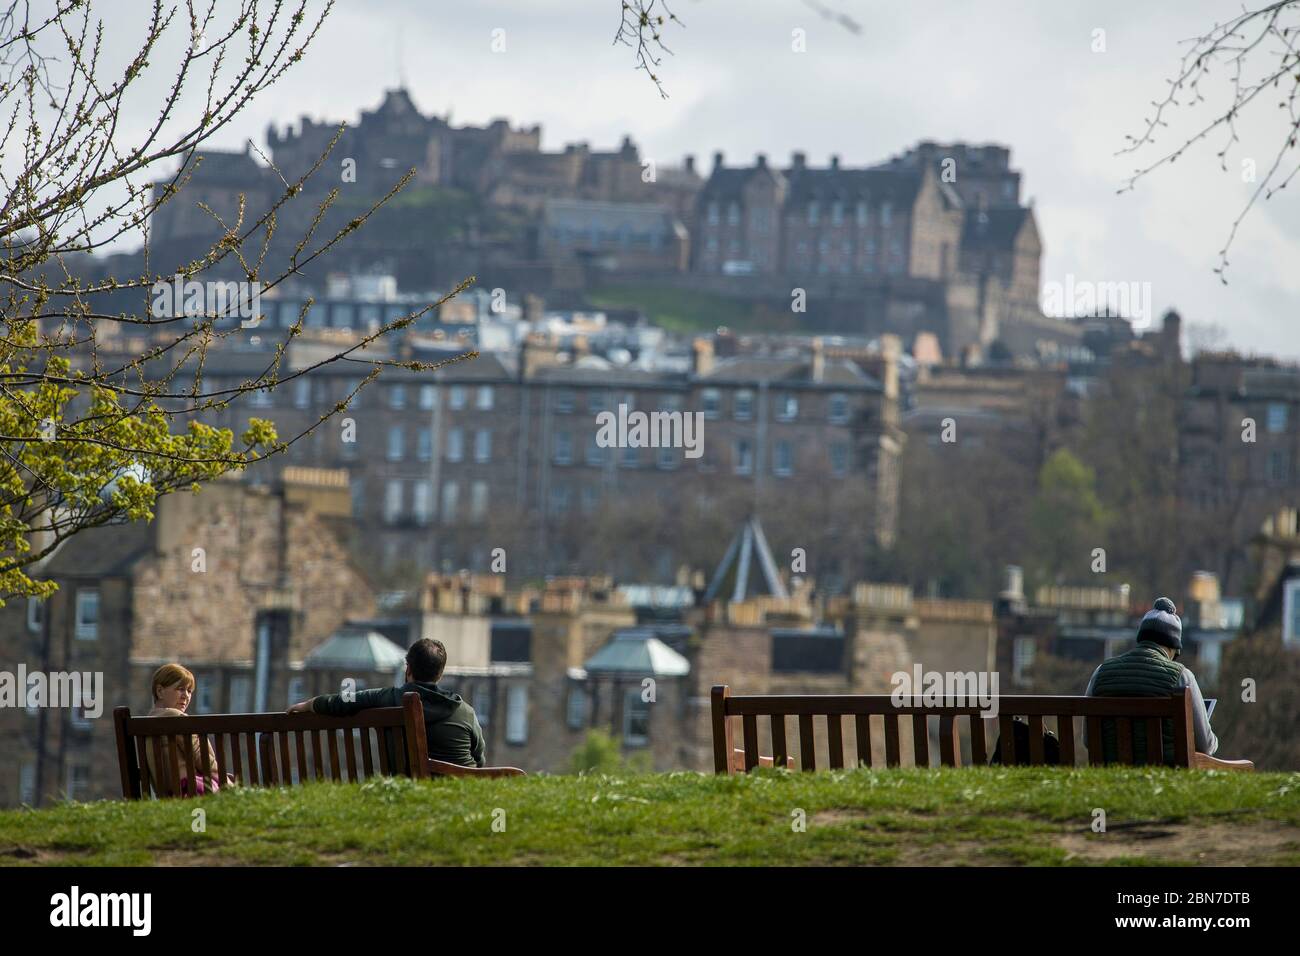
point(684, 310)
point(969, 816)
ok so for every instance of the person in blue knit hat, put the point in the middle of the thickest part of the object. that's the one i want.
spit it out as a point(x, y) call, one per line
point(1151, 669)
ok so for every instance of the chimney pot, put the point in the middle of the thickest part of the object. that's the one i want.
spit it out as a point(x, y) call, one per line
point(717, 160)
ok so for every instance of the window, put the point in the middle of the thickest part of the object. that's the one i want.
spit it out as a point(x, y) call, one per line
point(297, 689)
point(456, 399)
point(203, 702)
point(396, 443)
point(87, 619)
point(559, 499)
point(423, 444)
point(636, 719)
point(744, 457)
point(1291, 612)
point(713, 214)
point(631, 457)
point(348, 386)
point(886, 214)
point(783, 460)
point(428, 397)
point(733, 214)
point(456, 444)
point(576, 712)
point(670, 403)
point(482, 704)
point(837, 213)
point(478, 499)
point(862, 214)
point(517, 714)
point(397, 396)
point(482, 445)
point(595, 455)
point(260, 398)
point(710, 402)
point(392, 501)
point(839, 408)
point(484, 399)
point(565, 401)
point(78, 781)
point(301, 392)
point(667, 458)
point(597, 400)
point(241, 694)
point(78, 715)
point(839, 459)
point(563, 448)
point(1277, 465)
point(1276, 420)
point(590, 499)
point(27, 784)
point(1023, 659)
point(743, 407)
point(422, 502)
point(787, 408)
point(450, 500)
point(814, 213)
point(35, 614)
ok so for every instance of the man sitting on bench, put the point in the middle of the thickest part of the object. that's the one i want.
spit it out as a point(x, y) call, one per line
point(1151, 669)
point(450, 723)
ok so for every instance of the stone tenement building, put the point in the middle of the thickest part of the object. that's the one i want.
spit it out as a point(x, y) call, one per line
point(908, 217)
point(438, 457)
point(238, 583)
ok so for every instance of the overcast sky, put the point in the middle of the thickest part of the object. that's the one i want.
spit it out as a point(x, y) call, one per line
point(1023, 74)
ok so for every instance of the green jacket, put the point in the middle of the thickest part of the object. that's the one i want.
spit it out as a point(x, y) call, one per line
point(1145, 671)
point(450, 724)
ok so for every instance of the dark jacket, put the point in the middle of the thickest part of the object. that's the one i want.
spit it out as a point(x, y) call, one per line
point(450, 724)
point(1145, 671)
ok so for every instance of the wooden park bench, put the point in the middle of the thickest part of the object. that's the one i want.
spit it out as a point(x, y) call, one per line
point(280, 749)
point(1059, 713)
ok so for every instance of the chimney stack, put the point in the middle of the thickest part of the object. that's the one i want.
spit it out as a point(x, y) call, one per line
point(717, 160)
point(799, 160)
point(689, 163)
point(702, 357)
point(761, 161)
point(891, 348)
point(835, 163)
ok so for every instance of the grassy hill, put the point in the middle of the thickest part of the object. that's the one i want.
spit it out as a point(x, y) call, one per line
point(970, 816)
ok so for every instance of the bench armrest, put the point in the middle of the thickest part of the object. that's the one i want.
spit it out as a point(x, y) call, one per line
point(1202, 761)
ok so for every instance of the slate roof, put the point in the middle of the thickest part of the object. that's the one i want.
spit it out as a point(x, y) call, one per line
point(995, 228)
point(357, 649)
point(637, 651)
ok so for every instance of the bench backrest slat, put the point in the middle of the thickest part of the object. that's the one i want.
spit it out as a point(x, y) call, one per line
point(259, 753)
point(1137, 723)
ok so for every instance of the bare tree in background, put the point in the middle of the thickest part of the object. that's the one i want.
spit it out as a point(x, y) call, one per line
point(1255, 58)
point(91, 432)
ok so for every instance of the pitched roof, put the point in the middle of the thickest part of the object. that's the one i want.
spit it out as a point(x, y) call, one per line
point(357, 649)
point(995, 228)
point(107, 551)
point(873, 186)
point(637, 651)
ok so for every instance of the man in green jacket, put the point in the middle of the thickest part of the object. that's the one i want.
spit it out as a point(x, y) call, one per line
point(1151, 669)
point(450, 724)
